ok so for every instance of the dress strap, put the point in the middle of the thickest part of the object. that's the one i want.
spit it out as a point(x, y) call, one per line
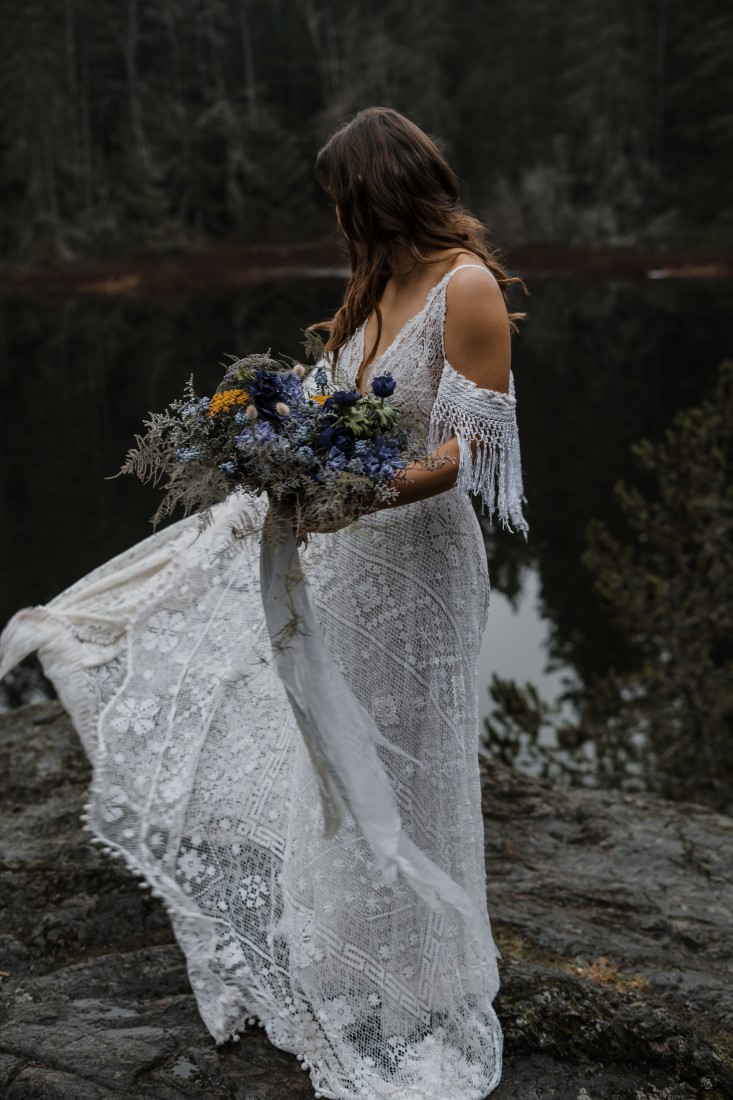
point(450, 274)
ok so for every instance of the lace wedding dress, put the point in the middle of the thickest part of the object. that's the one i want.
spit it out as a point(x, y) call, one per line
point(203, 785)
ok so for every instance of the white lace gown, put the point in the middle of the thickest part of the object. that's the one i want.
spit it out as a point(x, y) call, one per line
point(202, 783)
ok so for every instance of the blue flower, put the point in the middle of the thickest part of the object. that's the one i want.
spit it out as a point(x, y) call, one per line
point(344, 398)
point(379, 457)
point(338, 437)
point(383, 385)
point(291, 388)
point(187, 454)
point(264, 432)
point(244, 439)
point(299, 432)
point(229, 468)
point(267, 389)
point(336, 459)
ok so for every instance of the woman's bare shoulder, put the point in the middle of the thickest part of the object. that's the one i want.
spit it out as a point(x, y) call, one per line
point(477, 334)
point(474, 287)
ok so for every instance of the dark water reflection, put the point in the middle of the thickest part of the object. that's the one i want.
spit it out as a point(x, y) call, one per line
point(597, 366)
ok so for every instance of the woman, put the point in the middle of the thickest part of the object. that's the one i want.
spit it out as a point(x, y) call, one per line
point(382, 984)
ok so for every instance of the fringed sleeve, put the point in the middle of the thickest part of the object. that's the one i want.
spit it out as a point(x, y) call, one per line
point(492, 467)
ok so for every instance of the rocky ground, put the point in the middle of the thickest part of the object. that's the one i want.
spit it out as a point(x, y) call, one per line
point(613, 914)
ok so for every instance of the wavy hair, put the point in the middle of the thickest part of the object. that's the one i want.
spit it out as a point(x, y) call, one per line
point(393, 189)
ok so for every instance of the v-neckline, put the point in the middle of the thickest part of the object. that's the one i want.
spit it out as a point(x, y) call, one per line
point(362, 330)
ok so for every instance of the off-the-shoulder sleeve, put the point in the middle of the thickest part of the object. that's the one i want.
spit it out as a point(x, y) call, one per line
point(492, 468)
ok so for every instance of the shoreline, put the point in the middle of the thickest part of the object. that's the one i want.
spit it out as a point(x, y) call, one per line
point(217, 268)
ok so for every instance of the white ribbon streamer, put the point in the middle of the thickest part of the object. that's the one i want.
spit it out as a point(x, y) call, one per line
point(340, 735)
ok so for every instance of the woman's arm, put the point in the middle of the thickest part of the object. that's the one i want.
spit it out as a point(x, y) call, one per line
point(478, 346)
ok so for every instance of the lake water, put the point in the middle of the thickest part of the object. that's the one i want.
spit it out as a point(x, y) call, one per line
point(597, 366)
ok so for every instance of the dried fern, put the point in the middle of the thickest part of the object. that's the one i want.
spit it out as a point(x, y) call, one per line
point(314, 345)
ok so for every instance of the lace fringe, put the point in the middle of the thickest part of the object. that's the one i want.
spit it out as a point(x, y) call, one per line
point(484, 424)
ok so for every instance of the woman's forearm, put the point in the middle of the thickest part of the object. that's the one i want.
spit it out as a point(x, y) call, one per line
point(417, 482)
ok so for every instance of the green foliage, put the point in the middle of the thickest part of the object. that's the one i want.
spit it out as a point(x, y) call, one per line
point(667, 722)
point(161, 125)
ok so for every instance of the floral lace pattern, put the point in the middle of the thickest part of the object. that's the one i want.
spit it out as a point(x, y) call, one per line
point(202, 783)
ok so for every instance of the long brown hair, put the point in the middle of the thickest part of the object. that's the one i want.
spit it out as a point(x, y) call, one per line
point(393, 188)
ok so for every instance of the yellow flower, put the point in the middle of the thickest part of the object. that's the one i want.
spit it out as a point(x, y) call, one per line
point(321, 398)
point(226, 401)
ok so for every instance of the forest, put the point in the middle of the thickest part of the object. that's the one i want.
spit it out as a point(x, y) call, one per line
point(129, 126)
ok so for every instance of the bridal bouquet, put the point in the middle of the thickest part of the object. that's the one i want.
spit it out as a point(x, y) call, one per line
point(324, 458)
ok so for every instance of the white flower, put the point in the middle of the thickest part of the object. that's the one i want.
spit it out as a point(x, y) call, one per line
point(384, 710)
point(251, 413)
point(191, 865)
point(135, 716)
point(253, 891)
point(163, 631)
point(337, 1014)
point(298, 370)
point(368, 595)
point(282, 408)
point(172, 789)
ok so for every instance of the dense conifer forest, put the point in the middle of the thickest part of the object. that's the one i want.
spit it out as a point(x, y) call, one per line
point(132, 124)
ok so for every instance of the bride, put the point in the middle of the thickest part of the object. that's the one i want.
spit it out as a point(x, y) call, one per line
point(376, 975)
